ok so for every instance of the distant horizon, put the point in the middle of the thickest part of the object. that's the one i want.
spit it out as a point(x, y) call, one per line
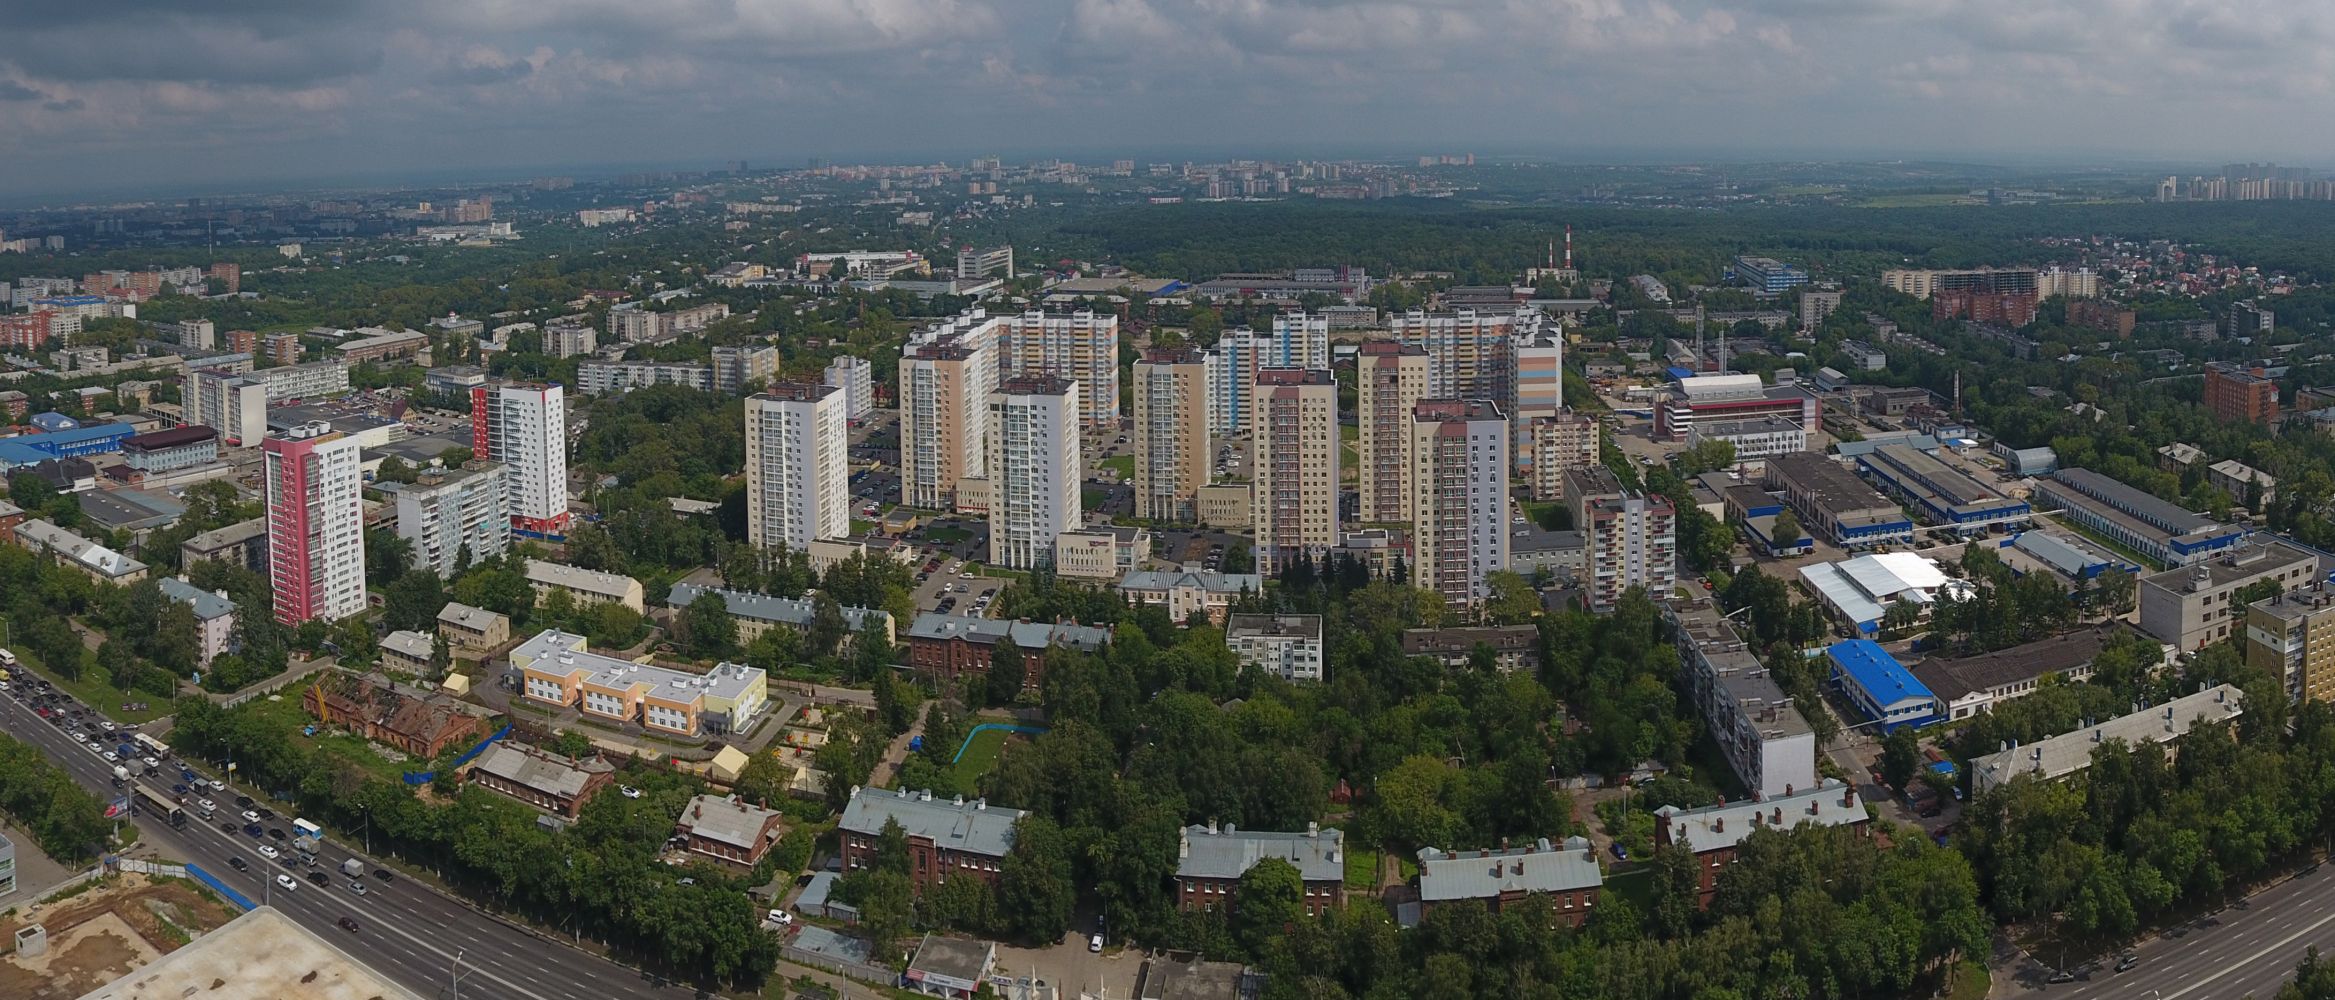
point(439, 178)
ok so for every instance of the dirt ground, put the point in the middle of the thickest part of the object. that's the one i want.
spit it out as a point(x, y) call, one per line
point(104, 933)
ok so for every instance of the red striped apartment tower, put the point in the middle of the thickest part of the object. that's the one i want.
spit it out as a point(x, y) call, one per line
point(316, 523)
point(524, 426)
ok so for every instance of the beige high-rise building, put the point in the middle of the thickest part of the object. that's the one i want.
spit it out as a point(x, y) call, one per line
point(798, 466)
point(1560, 441)
point(1293, 438)
point(944, 396)
point(1390, 379)
point(1459, 496)
point(1035, 469)
point(1171, 433)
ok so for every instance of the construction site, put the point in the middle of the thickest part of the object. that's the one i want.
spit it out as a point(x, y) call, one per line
point(94, 933)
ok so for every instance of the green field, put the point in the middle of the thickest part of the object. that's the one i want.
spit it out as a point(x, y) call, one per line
point(1916, 200)
point(94, 689)
point(946, 535)
point(287, 715)
point(980, 755)
point(1124, 465)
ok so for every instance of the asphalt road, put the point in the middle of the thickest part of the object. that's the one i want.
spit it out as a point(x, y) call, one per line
point(407, 931)
point(2246, 949)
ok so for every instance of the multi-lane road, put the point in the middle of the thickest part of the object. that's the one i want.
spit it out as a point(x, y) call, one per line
point(2246, 949)
point(406, 930)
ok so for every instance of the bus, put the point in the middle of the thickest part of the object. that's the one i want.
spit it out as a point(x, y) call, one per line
point(159, 806)
point(152, 746)
point(307, 836)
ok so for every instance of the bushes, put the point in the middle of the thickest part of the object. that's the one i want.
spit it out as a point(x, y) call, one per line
point(68, 822)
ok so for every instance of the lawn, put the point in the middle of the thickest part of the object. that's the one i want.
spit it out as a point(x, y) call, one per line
point(1124, 465)
point(94, 689)
point(980, 756)
point(287, 715)
point(946, 534)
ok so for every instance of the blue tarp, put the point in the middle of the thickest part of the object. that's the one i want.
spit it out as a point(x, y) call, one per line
point(425, 777)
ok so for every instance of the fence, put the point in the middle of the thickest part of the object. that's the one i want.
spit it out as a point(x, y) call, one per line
point(1003, 726)
point(425, 777)
point(221, 888)
point(840, 966)
point(147, 867)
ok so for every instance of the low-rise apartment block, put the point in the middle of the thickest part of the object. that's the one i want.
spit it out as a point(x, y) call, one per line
point(947, 647)
point(472, 630)
point(586, 586)
point(759, 613)
point(2065, 754)
point(729, 829)
point(554, 668)
point(214, 615)
point(1714, 832)
point(1211, 860)
point(1100, 552)
point(1568, 874)
point(946, 837)
point(541, 779)
point(1285, 646)
point(1514, 647)
point(1758, 728)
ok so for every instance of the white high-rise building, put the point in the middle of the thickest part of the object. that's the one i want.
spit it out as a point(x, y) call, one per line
point(525, 427)
point(234, 405)
point(1299, 340)
point(798, 468)
point(1081, 346)
point(316, 523)
point(1035, 469)
point(1459, 496)
point(851, 375)
point(451, 516)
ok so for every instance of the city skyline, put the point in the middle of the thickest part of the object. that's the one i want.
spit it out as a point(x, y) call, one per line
point(173, 97)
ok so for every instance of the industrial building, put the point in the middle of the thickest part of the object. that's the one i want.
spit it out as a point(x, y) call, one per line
point(2135, 519)
point(1833, 504)
point(1943, 494)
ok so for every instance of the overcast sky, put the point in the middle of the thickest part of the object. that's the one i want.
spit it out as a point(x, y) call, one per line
point(177, 96)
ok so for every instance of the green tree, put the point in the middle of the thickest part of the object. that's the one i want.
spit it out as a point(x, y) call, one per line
point(1512, 601)
point(413, 600)
point(887, 908)
point(707, 627)
point(1271, 901)
point(1787, 529)
point(1900, 757)
point(1677, 889)
point(1007, 673)
point(1036, 889)
point(827, 626)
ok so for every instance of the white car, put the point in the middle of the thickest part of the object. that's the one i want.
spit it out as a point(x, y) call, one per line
point(206, 805)
point(149, 762)
point(112, 757)
point(781, 918)
point(285, 883)
point(250, 816)
point(218, 785)
point(629, 791)
point(267, 851)
point(80, 737)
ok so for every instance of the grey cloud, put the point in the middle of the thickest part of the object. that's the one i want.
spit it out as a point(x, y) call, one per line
point(11, 90)
point(73, 104)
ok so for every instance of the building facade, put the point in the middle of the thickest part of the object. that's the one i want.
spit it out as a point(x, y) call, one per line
point(2239, 394)
point(1458, 485)
point(554, 668)
point(2192, 606)
point(1560, 441)
point(524, 426)
point(853, 376)
point(1294, 451)
point(1630, 539)
point(1390, 379)
point(1171, 434)
point(316, 524)
point(1210, 861)
point(944, 418)
point(1471, 354)
point(1034, 468)
point(798, 466)
point(950, 838)
point(456, 519)
point(1285, 646)
point(2292, 636)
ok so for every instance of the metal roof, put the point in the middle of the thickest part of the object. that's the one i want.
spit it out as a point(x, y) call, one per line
point(1727, 824)
point(726, 820)
point(539, 770)
point(1317, 854)
point(207, 605)
point(1873, 669)
point(765, 608)
point(1486, 874)
point(974, 827)
point(1214, 583)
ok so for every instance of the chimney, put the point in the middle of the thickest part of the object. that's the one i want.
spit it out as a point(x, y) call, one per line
point(1212, 828)
point(696, 812)
point(1776, 818)
point(1787, 790)
point(1313, 829)
point(1719, 824)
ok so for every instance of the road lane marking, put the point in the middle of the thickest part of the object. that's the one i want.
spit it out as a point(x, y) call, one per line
point(2257, 956)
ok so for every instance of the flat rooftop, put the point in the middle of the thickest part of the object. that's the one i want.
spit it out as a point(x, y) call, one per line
point(259, 954)
point(558, 653)
point(1831, 485)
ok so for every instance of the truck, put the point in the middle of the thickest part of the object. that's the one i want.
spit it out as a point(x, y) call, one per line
point(353, 868)
point(121, 775)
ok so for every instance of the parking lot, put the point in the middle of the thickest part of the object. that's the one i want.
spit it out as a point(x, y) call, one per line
point(954, 590)
point(1194, 549)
